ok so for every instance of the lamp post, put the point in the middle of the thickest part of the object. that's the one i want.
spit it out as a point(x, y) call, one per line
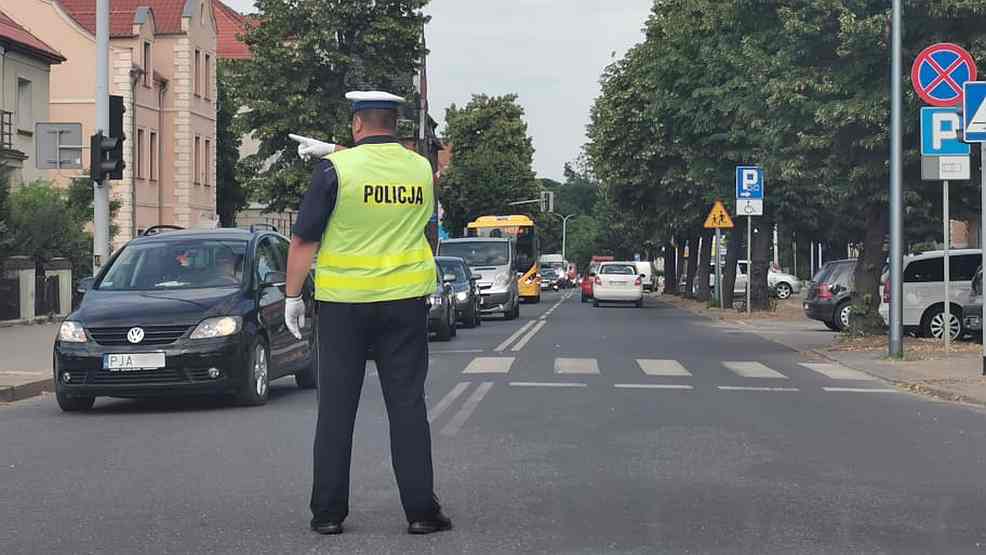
point(564, 229)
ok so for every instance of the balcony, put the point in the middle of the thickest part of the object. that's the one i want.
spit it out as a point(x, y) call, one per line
point(6, 130)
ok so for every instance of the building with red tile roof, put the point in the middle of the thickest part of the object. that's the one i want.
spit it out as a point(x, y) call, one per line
point(231, 25)
point(162, 62)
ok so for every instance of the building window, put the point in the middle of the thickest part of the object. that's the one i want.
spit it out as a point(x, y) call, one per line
point(207, 77)
point(197, 77)
point(208, 161)
point(197, 176)
point(152, 158)
point(25, 103)
point(147, 64)
point(140, 154)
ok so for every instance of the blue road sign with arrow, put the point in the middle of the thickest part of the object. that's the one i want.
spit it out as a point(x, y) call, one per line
point(974, 107)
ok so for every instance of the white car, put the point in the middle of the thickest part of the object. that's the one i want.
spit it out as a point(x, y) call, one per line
point(646, 270)
point(783, 284)
point(924, 290)
point(617, 282)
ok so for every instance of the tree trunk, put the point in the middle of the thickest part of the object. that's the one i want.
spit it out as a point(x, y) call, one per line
point(869, 267)
point(692, 265)
point(759, 293)
point(735, 245)
point(681, 267)
point(702, 289)
point(670, 269)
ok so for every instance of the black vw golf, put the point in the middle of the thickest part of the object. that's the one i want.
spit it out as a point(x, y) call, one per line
point(185, 312)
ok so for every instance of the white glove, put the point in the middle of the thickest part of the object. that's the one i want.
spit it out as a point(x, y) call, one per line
point(311, 148)
point(294, 315)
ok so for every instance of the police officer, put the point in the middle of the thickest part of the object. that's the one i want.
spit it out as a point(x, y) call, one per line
point(365, 216)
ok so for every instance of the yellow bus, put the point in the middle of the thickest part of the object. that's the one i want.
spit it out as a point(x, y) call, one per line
point(523, 235)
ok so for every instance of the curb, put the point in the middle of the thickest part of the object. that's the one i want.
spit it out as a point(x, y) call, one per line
point(22, 391)
point(37, 321)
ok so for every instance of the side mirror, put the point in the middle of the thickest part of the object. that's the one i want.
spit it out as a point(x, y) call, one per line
point(84, 285)
point(274, 279)
point(448, 278)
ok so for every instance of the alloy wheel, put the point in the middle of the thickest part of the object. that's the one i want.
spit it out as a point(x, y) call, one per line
point(260, 371)
point(938, 325)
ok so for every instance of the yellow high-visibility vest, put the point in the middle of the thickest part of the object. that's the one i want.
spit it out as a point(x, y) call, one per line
point(374, 248)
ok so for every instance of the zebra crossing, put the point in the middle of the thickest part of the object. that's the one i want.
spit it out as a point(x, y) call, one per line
point(669, 368)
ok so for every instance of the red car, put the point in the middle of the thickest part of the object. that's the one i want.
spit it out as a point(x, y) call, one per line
point(587, 282)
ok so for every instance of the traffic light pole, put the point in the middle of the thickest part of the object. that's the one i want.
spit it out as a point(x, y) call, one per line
point(101, 193)
point(896, 343)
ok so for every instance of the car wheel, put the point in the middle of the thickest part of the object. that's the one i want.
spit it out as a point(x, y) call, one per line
point(74, 404)
point(516, 313)
point(843, 315)
point(477, 316)
point(783, 290)
point(470, 320)
point(639, 304)
point(452, 323)
point(256, 388)
point(595, 303)
point(308, 377)
point(831, 325)
point(444, 331)
point(933, 323)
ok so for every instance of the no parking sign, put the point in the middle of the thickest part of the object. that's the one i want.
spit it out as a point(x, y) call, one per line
point(939, 72)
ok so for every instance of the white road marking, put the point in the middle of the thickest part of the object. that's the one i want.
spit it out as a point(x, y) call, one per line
point(752, 369)
point(19, 373)
point(447, 400)
point(654, 367)
point(454, 352)
point(860, 390)
point(371, 368)
point(576, 366)
point(750, 388)
point(515, 335)
point(837, 371)
point(467, 409)
point(530, 335)
point(489, 365)
point(651, 386)
point(547, 384)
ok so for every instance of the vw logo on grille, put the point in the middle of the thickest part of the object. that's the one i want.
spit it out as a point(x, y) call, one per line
point(135, 335)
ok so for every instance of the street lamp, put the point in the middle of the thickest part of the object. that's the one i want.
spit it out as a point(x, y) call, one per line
point(564, 224)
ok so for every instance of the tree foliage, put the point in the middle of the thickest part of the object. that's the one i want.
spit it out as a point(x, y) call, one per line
point(491, 161)
point(306, 55)
point(230, 194)
point(798, 87)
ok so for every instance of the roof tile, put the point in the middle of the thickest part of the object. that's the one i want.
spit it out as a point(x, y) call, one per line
point(19, 36)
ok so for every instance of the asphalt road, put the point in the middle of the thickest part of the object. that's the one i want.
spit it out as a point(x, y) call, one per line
point(573, 430)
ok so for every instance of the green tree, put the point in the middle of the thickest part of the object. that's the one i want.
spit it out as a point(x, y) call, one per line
point(230, 195)
point(45, 225)
point(491, 161)
point(306, 55)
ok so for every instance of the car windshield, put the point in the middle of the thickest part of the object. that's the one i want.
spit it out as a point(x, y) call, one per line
point(454, 268)
point(618, 269)
point(162, 265)
point(549, 272)
point(478, 253)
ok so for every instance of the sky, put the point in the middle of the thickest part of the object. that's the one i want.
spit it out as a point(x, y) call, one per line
point(548, 52)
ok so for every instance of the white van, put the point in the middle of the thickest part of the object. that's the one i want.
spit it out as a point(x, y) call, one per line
point(646, 269)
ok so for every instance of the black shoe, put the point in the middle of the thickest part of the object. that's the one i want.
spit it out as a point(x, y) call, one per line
point(327, 527)
point(437, 523)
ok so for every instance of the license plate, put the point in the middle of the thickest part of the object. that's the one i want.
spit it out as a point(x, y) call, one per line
point(132, 362)
point(618, 282)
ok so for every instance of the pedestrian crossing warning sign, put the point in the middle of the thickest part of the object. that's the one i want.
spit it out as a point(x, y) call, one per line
point(718, 217)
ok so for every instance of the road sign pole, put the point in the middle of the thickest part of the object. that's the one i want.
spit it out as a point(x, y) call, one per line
point(101, 191)
point(749, 260)
point(896, 344)
point(718, 254)
point(982, 222)
point(947, 330)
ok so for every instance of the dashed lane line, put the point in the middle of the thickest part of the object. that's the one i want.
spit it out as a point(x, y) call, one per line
point(751, 388)
point(502, 346)
point(860, 390)
point(651, 386)
point(547, 384)
point(449, 398)
point(467, 409)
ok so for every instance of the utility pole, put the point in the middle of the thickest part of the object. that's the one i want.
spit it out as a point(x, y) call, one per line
point(101, 193)
point(896, 343)
point(564, 230)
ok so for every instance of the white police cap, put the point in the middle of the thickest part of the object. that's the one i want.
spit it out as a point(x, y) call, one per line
point(374, 100)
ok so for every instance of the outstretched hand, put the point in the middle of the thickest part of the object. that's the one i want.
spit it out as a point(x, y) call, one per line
point(313, 148)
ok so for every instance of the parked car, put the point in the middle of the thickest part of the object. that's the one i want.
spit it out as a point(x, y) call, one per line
point(618, 282)
point(646, 271)
point(782, 284)
point(185, 312)
point(924, 291)
point(468, 301)
point(441, 308)
point(829, 295)
point(972, 312)
point(494, 262)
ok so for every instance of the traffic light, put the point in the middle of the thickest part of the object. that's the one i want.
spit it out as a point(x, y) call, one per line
point(105, 157)
point(547, 201)
point(106, 150)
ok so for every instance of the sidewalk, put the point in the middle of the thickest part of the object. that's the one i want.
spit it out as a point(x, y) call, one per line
point(25, 360)
point(955, 378)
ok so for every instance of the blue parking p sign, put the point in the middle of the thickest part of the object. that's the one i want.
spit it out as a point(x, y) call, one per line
point(941, 132)
point(749, 182)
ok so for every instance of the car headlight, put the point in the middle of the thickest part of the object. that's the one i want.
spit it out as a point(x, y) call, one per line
point(222, 326)
point(72, 332)
point(501, 280)
point(436, 300)
point(462, 295)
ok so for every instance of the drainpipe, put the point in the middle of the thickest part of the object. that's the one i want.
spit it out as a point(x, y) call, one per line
point(135, 75)
point(162, 88)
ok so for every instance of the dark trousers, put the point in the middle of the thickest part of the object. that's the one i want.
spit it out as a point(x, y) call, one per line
point(398, 334)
